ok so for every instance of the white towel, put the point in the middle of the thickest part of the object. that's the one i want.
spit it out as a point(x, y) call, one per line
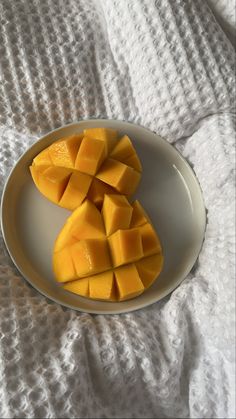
point(166, 65)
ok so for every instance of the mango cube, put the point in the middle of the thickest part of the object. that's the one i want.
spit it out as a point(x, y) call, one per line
point(139, 215)
point(76, 190)
point(150, 241)
point(91, 154)
point(97, 191)
point(101, 286)
point(53, 181)
point(80, 287)
point(122, 177)
point(43, 158)
point(125, 246)
point(90, 257)
point(116, 212)
point(149, 268)
point(128, 282)
point(107, 135)
point(88, 223)
point(63, 266)
point(124, 151)
point(64, 151)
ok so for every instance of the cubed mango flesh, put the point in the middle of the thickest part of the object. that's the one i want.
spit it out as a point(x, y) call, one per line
point(64, 151)
point(63, 266)
point(102, 286)
point(90, 257)
point(120, 176)
point(52, 182)
point(76, 190)
point(150, 240)
point(125, 246)
point(107, 135)
point(139, 215)
point(90, 156)
point(116, 212)
point(118, 266)
point(80, 287)
point(128, 282)
point(149, 268)
point(88, 153)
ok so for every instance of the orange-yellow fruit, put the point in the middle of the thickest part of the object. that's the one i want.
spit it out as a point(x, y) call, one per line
point(80, 166)
point(115, 260)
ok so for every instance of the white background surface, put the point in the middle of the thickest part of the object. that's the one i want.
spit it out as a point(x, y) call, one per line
point(167, 65)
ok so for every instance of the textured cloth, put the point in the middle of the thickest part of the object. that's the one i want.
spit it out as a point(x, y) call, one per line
point(167, 65)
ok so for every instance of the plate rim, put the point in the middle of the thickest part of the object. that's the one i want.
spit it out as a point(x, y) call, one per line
point(94, 311)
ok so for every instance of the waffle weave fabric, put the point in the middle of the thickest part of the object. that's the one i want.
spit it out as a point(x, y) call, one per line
point(166, 65)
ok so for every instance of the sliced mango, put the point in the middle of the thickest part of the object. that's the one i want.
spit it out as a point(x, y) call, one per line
point(125, 246)
point(80, 287)
point(97, 191)
point(116, 212)
point(101, 286)
point(53, 181)
point(128, 282)
point(125, 152)
point(90, 257)
point(149, 268)
point(139, 215)
point(43, 158)
point(63, 266)
point(120, 176)
point(64, 151)
point(150, 241)
point(76, 190)
point(89, 224)
point(91, 154)
point(108, 135)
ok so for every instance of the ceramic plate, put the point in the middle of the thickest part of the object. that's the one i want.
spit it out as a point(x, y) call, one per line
point(169, 191)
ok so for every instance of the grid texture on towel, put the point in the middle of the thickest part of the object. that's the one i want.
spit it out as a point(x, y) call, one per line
point(166, 65)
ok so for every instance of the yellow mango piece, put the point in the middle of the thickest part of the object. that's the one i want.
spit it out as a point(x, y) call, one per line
point(149, 268)
point(97, 191)
point(64, 238)
point(150, 241)
point(80, 287)
point(116, 212)
point(53, 181)
point(121, 177)
point(101, 286)
point(125, 246)
point(90, 256)
point(124, 151)
point(76, 190)
point(134, 162)
point(63, 266)
point(43, 158)
point(139, 216)
point(108, 135)
point(89, 223)
point(37, 171)
point(84, 223)
point(90, 156)
point(128, 282)
point(64, 151)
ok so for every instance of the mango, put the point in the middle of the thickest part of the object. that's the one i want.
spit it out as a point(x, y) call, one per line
point(90, 256)
point(117, 266)
point(139, 215)
point(125, 152)
point(128, 282)
point(116, 212)
point(91, 172)
point(125, 246)
point(120, 176)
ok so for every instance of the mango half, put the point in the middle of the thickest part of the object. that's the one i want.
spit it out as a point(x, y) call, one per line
point(87, 165)
point(112, 254)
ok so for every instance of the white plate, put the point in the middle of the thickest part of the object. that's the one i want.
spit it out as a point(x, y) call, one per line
point(168, 191)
